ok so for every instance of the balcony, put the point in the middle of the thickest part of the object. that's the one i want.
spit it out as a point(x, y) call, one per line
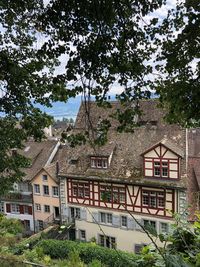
point(17, 197)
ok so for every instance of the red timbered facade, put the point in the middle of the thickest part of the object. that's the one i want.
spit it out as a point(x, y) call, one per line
point(121, 197)
point(136, 174)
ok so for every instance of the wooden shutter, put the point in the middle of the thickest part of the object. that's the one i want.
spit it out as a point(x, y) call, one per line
point(21, 209)
point(130, 223)
point(30, 210)
point(8, 208)
point(95, 217)
point(116, 220)
point(83, 214)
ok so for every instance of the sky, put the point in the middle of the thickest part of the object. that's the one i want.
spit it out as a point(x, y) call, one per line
point(115, 88)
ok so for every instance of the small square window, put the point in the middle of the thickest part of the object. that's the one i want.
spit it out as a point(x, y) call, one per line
point(38, 207)
point(164, 227)
point(44, 178)
point(82, 235)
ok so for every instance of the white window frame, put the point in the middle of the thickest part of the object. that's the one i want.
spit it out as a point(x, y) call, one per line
point(121, 220)
point(111, 244)
point(45, 186)
point(106, 218)
point(36, 187)
point(38, 207)
point(55, 188)
point(48, 210)
point(81, 236)
point(14, 208)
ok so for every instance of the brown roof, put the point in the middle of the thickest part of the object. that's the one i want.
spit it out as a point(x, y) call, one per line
point(150, 113)
point(52, 171)
point(124, 149)
point(38, 153)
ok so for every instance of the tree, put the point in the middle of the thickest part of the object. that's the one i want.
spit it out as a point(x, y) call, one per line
point(179, 85)
point(22, 83)
point(105, 43)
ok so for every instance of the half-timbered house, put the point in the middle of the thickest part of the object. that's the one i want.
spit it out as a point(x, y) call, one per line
point(140, 174)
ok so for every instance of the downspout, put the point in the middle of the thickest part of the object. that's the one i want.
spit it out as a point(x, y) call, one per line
point(186, 149)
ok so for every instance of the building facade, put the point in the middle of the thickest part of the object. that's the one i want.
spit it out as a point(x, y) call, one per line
point(46, 202)
point(135, 179)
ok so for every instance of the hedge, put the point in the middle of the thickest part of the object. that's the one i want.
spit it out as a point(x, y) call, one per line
point(88, 252)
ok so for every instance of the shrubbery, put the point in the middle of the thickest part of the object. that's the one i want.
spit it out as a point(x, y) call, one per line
point(88, 252)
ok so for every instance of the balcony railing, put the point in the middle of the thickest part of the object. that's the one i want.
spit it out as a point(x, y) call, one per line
point(17, 197)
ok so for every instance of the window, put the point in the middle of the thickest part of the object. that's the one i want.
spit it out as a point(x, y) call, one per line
point(46, 208)
point(106, 218)
point(81, 190)
point(55, 191)
point(38, 207)
point(40, 225)
point(27, 225)
point(82, 235)
point(153, 199)
point(46, 189)
point(112, 194)
point(161, 168)
point(107, 241)
point(123, 221)
point(148, 223)
point(15, 208)
point(164, 227)
point(37, 188)
point(75, 213)
point(26, 209)
point(1, 207)
point(44, 177)
point(99, 162)
point(138, 248)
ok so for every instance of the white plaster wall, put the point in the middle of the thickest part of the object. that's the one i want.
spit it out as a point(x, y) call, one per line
point(22, 217)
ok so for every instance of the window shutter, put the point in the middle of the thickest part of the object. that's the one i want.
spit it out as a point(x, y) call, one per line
point(116, 220)
point(30, 210)
point(8, 208)
point(21, 209)
point(137, 226)
point(130, 223)
point(66, 211)
point(95, 217)
point(83, 214)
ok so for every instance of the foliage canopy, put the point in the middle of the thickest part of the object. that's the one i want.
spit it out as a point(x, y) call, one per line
point(56, 51)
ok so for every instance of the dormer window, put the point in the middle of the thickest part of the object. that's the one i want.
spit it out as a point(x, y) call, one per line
point(161, 168)
point(160, 161)
point(99, 162)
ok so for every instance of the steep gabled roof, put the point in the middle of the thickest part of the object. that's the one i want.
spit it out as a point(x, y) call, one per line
point(168, 144)
point(126, 163)
point(39, 154)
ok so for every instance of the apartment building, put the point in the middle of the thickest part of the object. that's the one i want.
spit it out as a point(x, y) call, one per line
point(141, 174)
point(18, 203)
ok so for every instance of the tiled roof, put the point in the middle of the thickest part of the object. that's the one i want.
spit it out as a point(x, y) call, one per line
point(38, 153)
point(125, 149)
point(52, 170)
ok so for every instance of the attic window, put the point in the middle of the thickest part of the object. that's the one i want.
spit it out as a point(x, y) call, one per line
point(154, 123)
point(73, 161)
point(99, 162)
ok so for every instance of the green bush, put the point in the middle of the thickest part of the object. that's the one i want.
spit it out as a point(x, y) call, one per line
point(57, 249)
